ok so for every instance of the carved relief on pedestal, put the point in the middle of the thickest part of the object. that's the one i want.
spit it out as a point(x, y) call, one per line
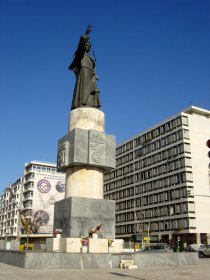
point(96, 147)
point(87, 148)
point(61, 154)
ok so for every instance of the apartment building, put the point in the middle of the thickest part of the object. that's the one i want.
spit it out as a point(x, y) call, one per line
point(33, 196)
point(42, 186)
point(161, 183)
point(9, 217)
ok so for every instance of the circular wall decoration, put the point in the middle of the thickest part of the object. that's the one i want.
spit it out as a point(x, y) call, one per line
point(43, 186)
point(41, 218)
point(208, 143)
point(60, 187)
point(97, 156)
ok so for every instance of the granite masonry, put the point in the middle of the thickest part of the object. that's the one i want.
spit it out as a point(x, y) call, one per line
point(85, 153)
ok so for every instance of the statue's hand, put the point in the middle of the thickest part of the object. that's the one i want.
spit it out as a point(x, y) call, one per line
point(88, 30)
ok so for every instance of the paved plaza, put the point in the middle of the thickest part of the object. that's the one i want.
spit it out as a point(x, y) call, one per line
point(192, 272)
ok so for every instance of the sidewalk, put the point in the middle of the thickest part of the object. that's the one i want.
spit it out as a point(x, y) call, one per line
point(191, 272)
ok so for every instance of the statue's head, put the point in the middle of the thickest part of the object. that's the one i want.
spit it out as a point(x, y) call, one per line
point(88, 46)
point(84, 43)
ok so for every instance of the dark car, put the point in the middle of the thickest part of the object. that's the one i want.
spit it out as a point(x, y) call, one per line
point(157, 248)
point(189, 249)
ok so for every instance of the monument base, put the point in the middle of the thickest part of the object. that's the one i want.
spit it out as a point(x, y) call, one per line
point(77, 215)
point(37, 260)
point(73, 245)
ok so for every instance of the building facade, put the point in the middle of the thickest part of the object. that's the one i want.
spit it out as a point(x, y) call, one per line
point(9, 216)
point(161, 183)
point(33, 196)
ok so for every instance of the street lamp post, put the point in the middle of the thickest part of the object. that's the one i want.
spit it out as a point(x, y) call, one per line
point(148, 230)
point(178, 240)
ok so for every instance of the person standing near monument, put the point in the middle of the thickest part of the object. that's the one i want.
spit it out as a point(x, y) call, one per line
point(86, 94)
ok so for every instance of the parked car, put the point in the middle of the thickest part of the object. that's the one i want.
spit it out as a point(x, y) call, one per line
point(189, 249)
point(204, 252)
point(157, 248)
point(196, 247)
point(193, 248)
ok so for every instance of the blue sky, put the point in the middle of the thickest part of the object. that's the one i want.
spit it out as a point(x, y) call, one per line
point(153, 61)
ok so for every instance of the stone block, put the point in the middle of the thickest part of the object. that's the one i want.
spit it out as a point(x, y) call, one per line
point(86, 147)
point(117, 246)
point(98, 245)
point(163, 259)
point(131, 266)
point(42, 260)
point(78, 147)
point(187, 258)
point(86, 118)
point(101, 260)
point(77, 215)
point(36, 260)
point(53, 244)
point(144, 260)
point(84, 182)
point(86, 261)
point(124, 263)
point(70, 245)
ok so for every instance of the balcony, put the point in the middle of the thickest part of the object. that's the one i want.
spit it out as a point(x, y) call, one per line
point(27, 206)
point(30, 197)
point(28, 216)
point(29, 179)
point(28, 188)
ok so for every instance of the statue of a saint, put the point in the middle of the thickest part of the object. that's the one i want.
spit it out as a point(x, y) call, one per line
point(86, 94)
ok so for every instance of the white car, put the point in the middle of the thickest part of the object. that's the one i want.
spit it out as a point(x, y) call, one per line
point(196, 247)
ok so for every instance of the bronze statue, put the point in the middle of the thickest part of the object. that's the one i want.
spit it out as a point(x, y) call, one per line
point(86, 94)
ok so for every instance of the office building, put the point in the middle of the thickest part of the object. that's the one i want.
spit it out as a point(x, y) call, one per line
point(161, 184)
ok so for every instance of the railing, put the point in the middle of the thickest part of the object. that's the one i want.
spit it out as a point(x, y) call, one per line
point(28, 198)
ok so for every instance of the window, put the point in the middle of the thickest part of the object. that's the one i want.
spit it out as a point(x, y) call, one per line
point(192, 223)
point(179, 135)
point(184, 120)
point(186, 134)
point(189, 176)
point(191, 207)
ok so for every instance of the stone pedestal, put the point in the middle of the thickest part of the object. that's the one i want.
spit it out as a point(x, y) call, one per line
point(86, 118)
point(77, 215)
point(84, 182)
point(74, 245)
point(117, 246)
point(85, 153)
point(70, 245)
point(98, 245)
point(53, 244)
